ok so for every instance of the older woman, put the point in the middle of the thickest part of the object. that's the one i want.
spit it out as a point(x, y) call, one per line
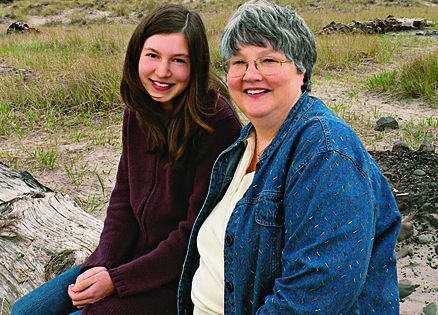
point(299, 218)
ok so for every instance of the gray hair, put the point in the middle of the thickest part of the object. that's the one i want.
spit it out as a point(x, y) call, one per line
point(261, 23)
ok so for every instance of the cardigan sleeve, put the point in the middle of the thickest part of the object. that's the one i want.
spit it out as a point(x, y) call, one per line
point(331, 212)
point(164, 264)
point(120, 227)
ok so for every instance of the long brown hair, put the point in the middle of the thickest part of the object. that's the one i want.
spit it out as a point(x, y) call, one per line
point(172, 133)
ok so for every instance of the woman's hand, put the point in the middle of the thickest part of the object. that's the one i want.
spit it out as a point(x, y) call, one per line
point(91, 286)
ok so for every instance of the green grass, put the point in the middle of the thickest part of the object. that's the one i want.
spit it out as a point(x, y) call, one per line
point(45, 156)
point(71, 74)
point(419, 77)
point(416, 78)
point(383, 82)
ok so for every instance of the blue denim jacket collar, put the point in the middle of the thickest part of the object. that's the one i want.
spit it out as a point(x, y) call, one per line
point(297, 110)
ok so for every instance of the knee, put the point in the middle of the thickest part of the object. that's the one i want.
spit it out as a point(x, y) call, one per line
point(22, 306)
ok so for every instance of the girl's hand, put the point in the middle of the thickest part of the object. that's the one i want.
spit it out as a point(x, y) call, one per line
point(91, 286)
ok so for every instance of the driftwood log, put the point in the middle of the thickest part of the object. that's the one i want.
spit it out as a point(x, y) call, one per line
point(389, 24)
point(42, 233)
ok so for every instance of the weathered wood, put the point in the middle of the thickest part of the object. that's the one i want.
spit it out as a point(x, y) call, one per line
point(42, 233)
point(389, 24)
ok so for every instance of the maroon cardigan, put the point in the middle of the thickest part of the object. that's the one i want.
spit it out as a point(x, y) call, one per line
point(150, 216)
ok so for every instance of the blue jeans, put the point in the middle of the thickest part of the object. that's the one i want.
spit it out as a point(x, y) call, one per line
point(51, 298)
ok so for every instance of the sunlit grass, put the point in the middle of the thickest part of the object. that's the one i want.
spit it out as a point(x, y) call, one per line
point(418, 77)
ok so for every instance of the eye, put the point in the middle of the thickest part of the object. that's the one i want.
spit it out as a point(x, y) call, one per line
point(151, 55)
point(237, 62)
point(179, 60)
point(268, 60)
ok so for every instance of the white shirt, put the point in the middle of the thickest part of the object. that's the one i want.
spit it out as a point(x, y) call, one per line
point(208, 282)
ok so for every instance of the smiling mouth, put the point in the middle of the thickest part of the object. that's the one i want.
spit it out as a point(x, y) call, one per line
point(161, 85)
point(256, 91)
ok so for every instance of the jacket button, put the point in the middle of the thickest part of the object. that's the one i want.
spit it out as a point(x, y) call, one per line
point(228, 240)
point(229, 286)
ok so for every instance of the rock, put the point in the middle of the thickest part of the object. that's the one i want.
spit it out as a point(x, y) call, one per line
point(389, 24)
point(427, 33)
point(426, 147)
point(419, 172)
point(400, 146)
point(406, 231)
point(20, 27)
point(436, 249)
point(26, 74)
point(431, 309)
point(385, 123)
point(405, 251)
point(431, 219)
point(406, 287)
point(425, 238)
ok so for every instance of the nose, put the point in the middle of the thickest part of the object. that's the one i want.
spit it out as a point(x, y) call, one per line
point(252, 73)
point(163, 69)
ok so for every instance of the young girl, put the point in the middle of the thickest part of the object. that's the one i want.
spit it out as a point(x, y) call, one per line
point(174, 127)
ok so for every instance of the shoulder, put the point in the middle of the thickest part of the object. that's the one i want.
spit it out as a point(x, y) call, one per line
point(327, 131)
point(319, 131)
point(224, 112)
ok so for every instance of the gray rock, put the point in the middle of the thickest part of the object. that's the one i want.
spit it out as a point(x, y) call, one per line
point(406, 231)
point(406, 287)
point(431, 309)
point(431, 219)
point(427, 33)
point(425, 238)
point(385, 123)
point(426, 147)
point(419, 172)
point(405, 251)
point(24, 72)
point(400, 146)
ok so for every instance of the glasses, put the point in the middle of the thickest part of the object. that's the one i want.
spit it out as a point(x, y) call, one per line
point(266, 65)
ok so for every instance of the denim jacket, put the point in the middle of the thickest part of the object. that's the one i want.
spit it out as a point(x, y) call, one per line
point(314, 233)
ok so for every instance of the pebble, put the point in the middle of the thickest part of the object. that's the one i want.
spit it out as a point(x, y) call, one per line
point(432, 219)
point(426, 147)
point(406, 287)
point(386, 123)
point(405, 251)
point(431, 309)
point(400, 146)
point(406, 231)
point(419, 172)
point(425, 238)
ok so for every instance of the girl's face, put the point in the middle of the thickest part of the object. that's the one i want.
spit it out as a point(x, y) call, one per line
point(164, 67)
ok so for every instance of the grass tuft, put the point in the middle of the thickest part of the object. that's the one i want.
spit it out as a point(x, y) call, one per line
point(417, 78)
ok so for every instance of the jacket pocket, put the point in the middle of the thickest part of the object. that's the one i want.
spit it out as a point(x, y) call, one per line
point(269, 209)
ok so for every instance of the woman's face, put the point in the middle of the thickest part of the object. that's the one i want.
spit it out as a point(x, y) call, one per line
point(164, 67)
point(264, 98)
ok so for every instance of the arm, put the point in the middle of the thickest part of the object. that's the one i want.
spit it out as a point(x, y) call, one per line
point(329, 233)
point(120, 227)
point(163, 264)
